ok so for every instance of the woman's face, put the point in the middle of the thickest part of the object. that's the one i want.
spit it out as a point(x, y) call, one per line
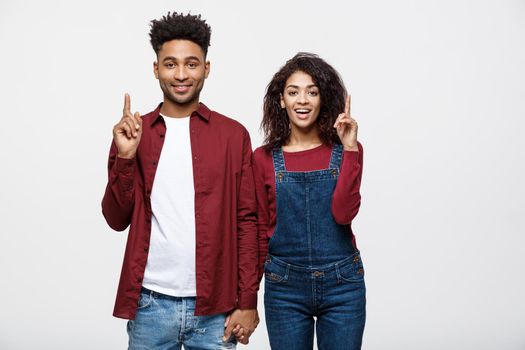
point(302, 101)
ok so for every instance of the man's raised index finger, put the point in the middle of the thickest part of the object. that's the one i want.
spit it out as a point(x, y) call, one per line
point(126, 104)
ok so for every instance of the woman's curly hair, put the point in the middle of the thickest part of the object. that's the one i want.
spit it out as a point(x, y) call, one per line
point(179, 26)
point(275, 123)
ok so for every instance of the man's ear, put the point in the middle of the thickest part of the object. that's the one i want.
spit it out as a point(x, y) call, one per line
point(207, 67)
point(156, 69)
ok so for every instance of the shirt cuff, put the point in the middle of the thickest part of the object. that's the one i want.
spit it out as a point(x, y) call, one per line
point(247, 301)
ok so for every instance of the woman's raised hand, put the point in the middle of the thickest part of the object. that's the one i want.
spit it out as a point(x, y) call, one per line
point(346, 128)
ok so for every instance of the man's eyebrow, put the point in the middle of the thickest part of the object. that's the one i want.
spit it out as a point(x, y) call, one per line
point(189, 58)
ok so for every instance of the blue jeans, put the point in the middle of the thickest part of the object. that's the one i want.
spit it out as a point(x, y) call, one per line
point(334, 294)
point(166, 323)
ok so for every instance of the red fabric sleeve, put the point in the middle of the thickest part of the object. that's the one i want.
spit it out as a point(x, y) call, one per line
point(247, 232)
point(118, 200)
point(347, 198)
point(263, 211)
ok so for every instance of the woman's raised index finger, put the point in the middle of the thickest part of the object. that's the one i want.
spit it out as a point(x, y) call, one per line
point(347, 105)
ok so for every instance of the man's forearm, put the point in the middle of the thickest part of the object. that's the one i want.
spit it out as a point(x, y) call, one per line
point(118, 200)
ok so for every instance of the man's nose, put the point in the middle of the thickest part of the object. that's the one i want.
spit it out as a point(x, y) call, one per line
point(180, 73)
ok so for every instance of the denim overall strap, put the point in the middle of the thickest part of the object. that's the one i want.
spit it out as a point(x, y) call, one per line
point(278, 160)
point(337, 156)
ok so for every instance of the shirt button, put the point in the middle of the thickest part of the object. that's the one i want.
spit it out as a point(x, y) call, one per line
point(195, 157)
point(139, 279)
point(192, 130)
point(161, 136)
point(146, 249)
point(154, 162)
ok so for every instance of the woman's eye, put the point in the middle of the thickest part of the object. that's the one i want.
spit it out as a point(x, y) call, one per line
point(313, 93)
point(292, 93)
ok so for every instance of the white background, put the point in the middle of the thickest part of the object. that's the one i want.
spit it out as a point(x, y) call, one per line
point(438, 91)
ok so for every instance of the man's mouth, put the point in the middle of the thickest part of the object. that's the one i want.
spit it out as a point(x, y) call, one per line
point(182, 88)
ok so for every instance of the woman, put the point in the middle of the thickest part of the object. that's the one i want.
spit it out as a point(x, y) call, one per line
point(307, 175)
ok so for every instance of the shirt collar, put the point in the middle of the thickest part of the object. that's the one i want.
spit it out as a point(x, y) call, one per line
point(203, 112)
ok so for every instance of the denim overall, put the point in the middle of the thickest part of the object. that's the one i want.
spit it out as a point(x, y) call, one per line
point(312, 269)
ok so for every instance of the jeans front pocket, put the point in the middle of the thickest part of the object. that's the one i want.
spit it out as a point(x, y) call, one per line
point(275, 273)
point(351, 270)
point(145, 300)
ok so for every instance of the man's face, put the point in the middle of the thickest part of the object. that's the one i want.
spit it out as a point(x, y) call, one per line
point(181, 69)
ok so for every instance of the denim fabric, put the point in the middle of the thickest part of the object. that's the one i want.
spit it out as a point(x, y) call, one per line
point(168, 323)
point(314, 277)
point(306, 233)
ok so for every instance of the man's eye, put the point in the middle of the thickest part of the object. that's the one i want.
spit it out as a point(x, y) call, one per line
point(170, 65)
point(192, 65)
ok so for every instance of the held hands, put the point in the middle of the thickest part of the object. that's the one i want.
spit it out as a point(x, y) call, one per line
point(241, 323)
point(347, 128)
point(127, 132)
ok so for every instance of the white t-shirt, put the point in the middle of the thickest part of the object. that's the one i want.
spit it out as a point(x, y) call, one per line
point(171, 260)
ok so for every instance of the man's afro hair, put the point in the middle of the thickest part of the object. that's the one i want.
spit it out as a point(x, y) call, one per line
point(179, 26)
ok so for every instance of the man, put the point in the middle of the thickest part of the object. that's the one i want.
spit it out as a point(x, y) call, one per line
point(181, 177)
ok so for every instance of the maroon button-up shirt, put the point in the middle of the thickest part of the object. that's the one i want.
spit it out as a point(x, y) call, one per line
point(225, 212)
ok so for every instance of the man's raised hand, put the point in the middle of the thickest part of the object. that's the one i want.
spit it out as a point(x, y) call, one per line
point(127, 132)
